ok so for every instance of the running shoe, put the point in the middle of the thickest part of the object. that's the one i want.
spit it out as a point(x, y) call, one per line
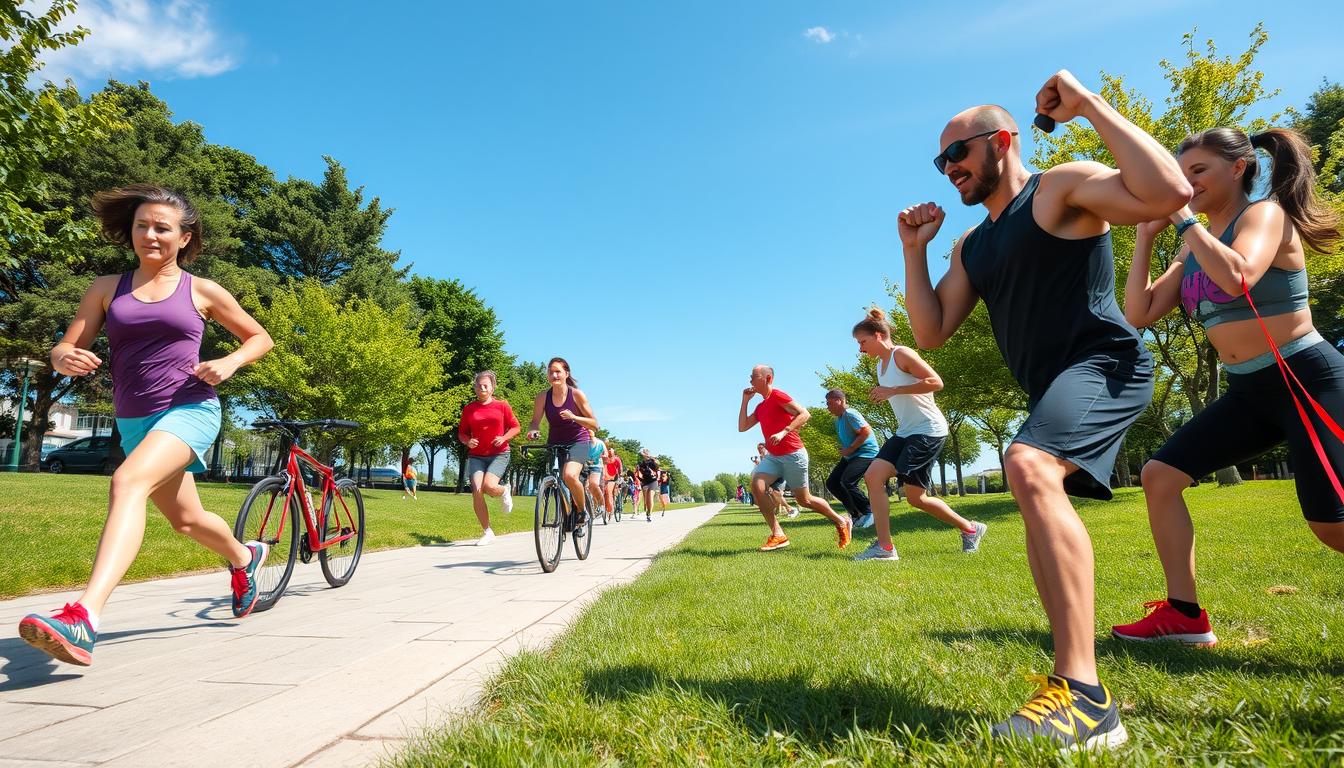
point(486, 538)
point(1066, 717)
point(775, 542)
point(844, 530)
point(66, 635)
point(876, 552)
point(970, 542)
point(506, 501)
point(793, 512)
point(865, 522)
point(1166, 623)
point(243, 580)
point(648, 518)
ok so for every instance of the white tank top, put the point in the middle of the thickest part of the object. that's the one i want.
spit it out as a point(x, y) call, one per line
point(915, 414)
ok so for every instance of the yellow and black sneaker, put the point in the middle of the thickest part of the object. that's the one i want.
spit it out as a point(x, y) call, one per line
point(1071, 718)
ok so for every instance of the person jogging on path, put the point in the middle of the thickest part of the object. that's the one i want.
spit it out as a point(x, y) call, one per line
point(780, 418)
point(163, 394)
point(1259, 244)
point(907, 382)
point(487, 426)
point(664, 491)
point(858, 448)
point(571, 423)
point(648, 481)
point(612, 467)
point(408, 480)
point(1041, 260)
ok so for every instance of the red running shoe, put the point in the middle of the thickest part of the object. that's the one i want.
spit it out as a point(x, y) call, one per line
point(1166, 623)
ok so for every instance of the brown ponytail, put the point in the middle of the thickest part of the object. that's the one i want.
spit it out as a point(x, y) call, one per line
point(875, 322)
point(1293, 184)
point(1292, 181)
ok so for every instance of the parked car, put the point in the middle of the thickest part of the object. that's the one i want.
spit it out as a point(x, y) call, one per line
point(376, 474)
point(89, 454)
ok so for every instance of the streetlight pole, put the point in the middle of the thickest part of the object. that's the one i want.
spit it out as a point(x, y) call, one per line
point(29, 365)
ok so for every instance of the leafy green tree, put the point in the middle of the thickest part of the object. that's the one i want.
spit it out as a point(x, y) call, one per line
point(37, 125)
point(729, 481)
point(962, 448)
point(353, 361)
point(823, 447)
point(997, 425)
point(1320, 121)
point(715, 492)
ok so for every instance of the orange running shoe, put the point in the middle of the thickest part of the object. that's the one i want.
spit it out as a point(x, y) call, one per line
point(845, 530)
point(775, 542)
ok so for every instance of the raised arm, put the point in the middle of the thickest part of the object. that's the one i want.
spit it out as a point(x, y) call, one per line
point(1146, 300)
point(745, 420)
point(935, 313)
point(1145, 184)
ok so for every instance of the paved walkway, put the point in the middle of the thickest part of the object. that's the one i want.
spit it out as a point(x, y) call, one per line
point(327, 678)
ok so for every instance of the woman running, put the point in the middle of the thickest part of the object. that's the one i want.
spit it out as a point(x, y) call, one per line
point(664, 491)
point(1258, 244)
point(164, 398)
point(486, 429)
point(648, 481)
point(907, 382)
point(570, 419)
point(408, 480)
point(611, 474)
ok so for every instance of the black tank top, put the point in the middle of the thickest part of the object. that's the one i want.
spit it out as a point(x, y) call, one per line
point(1051, 301)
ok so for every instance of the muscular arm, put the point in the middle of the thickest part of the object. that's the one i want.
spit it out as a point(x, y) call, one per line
point(223, 308)
point(859, 438)
point(1260, 234)
point(745, 421)
point(936, 313)
point(538, 411)
point(585, 412)
point(71, 355)
point(909, 361)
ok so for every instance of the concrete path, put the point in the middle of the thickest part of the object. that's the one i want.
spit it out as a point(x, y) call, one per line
point(329, 677)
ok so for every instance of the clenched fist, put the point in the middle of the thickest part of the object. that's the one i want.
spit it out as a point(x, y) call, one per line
point(1062, 97)
point(919, 224)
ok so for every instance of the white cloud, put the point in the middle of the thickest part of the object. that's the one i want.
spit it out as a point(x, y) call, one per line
point(819, 34)
point(164, 37)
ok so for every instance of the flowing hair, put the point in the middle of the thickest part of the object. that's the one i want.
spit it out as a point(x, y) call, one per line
point(1292, 180)
point(115, 209)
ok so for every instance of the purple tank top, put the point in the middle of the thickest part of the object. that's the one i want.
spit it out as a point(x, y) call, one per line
point(564, 432)
point(155, 348)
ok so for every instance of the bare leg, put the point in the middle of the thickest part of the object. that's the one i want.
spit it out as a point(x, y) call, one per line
point(760, 485)
point(818, 505)
point(1173, 530)
point(1330, 534)
point(478, 500)
point(570, 475)
point(159, 459)
point(876, 477)
point(1061, 555)
point(936, 507)
point(180, 503)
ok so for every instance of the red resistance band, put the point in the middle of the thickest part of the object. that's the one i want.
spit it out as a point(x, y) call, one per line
point(1287, 372)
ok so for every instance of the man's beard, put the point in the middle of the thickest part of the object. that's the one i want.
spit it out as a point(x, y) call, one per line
point(985, 183)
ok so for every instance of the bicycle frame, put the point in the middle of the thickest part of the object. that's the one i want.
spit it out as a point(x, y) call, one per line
point(294, 485)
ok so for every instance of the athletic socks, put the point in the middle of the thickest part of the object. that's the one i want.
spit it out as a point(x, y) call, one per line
point(93, 620)
point(1187, 609)
point(1093, 692)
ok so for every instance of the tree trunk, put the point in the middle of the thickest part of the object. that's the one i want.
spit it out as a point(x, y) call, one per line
point(942, 473)
point(431, 451)
point(1003, 472)
point(956, 463)
point(1122, 463)
point(462, 468)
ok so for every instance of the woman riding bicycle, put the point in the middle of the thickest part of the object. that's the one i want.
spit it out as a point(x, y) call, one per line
point(164, 397)
point(570, 418)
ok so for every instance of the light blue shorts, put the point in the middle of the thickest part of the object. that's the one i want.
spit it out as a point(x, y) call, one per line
point(196, 424)
point(792, 467)
point(490, 465)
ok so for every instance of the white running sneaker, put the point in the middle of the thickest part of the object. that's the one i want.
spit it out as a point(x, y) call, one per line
point(506, 501)
point(486, 538)
point(793, 512)
point(970, 542)
point(864, 522)
point(876, 552)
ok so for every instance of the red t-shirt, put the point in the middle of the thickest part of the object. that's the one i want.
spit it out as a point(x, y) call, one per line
point(772, 417)
point(485, 423)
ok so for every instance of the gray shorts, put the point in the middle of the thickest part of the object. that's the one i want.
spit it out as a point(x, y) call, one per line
point(491, 465)
point(1083, 416)
point(791, 468)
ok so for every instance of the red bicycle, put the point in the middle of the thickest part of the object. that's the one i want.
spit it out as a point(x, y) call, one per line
point(335, 528)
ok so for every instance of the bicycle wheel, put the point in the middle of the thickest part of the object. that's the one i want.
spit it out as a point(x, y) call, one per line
point(344, 514)
point(584, 543)
point(547, 528)
point(264, 517)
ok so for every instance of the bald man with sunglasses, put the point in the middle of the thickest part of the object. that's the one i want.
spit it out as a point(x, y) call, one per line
point(1041, 260)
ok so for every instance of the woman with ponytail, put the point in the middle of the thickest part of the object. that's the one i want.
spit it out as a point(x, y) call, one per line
point(571, 423)
point(907, 383)
point(1244, 278)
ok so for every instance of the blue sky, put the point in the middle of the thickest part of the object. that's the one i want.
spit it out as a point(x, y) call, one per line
point(665, 194)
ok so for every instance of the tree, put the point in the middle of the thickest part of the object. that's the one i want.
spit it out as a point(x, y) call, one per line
point(1322, 119)
point(715, 492)
point(823, 447)
point(729, 481)
point(997, 425)
point(353, 361)
point(1209, 90)
point(37, 125)
point(962, 448)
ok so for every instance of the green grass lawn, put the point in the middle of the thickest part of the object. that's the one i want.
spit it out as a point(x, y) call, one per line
point(721, 655)
point(49, 528)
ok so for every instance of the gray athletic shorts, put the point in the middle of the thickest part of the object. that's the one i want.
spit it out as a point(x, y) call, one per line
point(791, 467)
point(1083, 416)
point(491, 465)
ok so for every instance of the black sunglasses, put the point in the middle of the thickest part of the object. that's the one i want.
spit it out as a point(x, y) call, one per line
point(957, 150)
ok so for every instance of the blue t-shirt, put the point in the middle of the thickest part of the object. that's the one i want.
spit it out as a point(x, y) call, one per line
point(596, 450)
point(847, 427)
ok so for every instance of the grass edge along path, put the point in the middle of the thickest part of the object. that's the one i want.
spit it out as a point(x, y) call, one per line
point(50, 525)
point(721, 655)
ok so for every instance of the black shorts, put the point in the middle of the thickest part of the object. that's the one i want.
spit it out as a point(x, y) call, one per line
point(1083, 416)
point(778, 485)
point(1256, 414)
point(913, 457)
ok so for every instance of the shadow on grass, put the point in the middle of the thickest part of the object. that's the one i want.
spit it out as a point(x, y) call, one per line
point(819, 714)
point(1170, 658)
point(427, 540)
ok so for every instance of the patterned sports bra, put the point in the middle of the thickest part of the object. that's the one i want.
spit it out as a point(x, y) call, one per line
point(1278, 292)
